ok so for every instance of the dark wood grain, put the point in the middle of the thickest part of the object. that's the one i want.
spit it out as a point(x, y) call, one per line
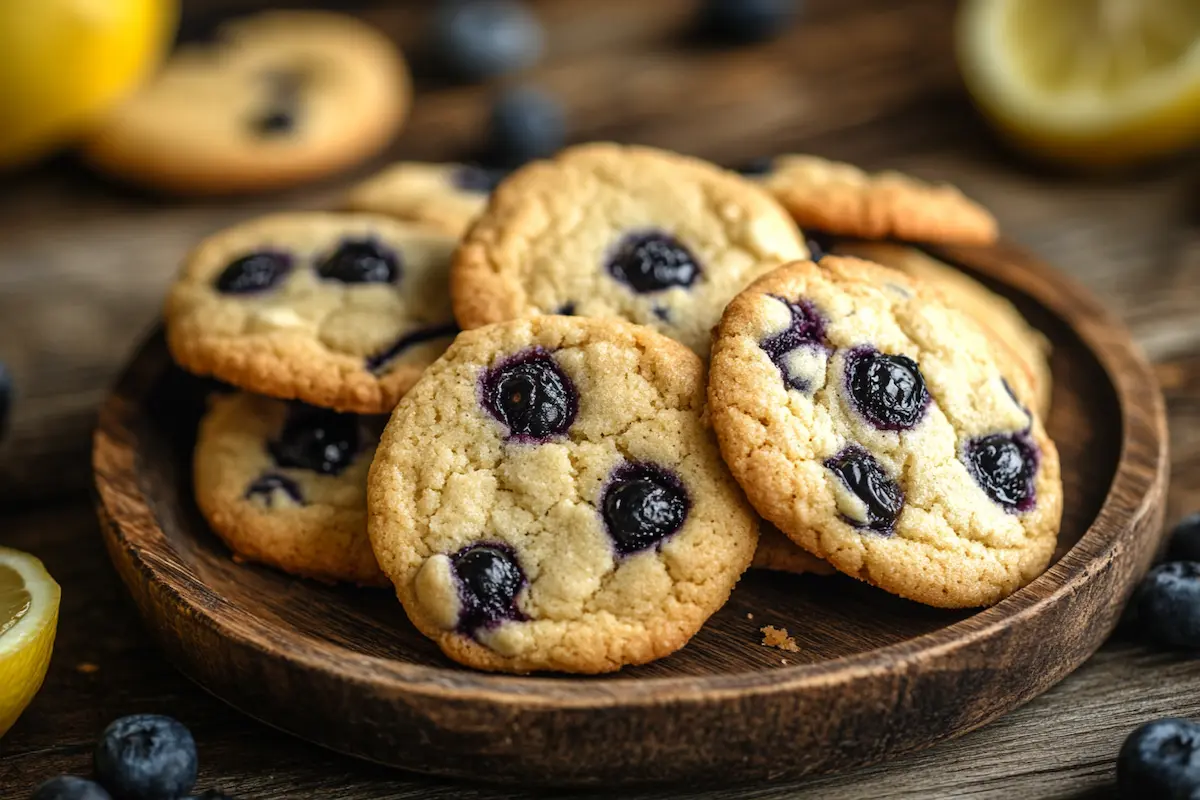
point(886, 675)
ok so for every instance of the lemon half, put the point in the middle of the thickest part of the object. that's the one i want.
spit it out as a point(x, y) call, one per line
point(28, 619)
point(1086, 82)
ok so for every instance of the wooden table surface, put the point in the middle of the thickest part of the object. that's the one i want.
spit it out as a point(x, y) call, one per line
point(84, 264)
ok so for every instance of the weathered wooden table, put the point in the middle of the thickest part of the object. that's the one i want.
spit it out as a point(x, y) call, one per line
point(84, 264)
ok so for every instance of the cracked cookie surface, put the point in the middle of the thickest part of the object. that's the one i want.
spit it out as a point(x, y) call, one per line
point(632, 233)
point(285, 485)
point(887, 441)
point(448, 196)
point(550, 497)
point(841, 199)
point(337, 310)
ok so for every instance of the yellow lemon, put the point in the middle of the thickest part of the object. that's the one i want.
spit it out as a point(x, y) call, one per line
point(1086, 82)
point(28, 619)
point(62, 62)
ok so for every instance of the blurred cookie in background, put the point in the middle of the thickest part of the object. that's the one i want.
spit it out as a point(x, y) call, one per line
point(448, 196)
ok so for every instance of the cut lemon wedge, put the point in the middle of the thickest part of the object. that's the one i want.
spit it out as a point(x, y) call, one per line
point(28, 619)
point(1086, 82)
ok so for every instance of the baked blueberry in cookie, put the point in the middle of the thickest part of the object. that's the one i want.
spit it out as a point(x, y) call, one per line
point(652, 261)
point(887, 390)
point(806, 333)
point(378, 363)
point(531, 396)
point(642, 505)
point(1005, 464)
point(265, 486)
point(874, 500)
point(476, 179)
point(255, 272)
point(549, 496)
point(317, 439)
point(361, 261)
point(489, 580)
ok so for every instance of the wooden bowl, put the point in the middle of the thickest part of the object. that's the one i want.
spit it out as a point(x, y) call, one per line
point(876, 676)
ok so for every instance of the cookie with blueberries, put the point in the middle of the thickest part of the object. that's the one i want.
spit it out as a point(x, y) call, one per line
point(285, 484)
point(618, 232)
point(550, 497)
point(870, 422)
point(449, 196)
point(280, 98)
point(336, 310)
point(841, 199)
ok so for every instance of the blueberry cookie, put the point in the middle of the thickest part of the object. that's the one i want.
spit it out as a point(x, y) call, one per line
point(870, 422)
point(1022, 349)
point(549, 497)
point(281, 98)
point(620, 232)
point(842, 199)
point(285, 485)
point(449, 196)
point(337, 310)
point(778, 553)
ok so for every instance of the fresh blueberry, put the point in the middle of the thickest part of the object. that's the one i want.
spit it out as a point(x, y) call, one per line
point(489, 580)
point(68, 787)
point(531, 396)
point(865, 478)
point(1160, 760)
point(1004, 464)
point(1168, 604)
point(651, 261)
point(361, 261)
point(748, 20)
point(478, 39)
point(6, 396)
point(255, 272)
point(887, 390)
point(807, 329)
point(1184, 544)
point(476, 179)
point(265, 486)
point(525, 124)
point(379, 362)
point(146, 757)
point(317, 439)
point(642, 505)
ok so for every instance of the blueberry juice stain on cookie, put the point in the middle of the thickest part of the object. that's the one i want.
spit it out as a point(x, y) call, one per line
point(265, 486)
point(255, 272)
point(642, 505)
point(1004, 466)
point(489, 580)
point(652, 261)
point(805, 335)
point(873, 501)
point(530, 395)
point(886, 390)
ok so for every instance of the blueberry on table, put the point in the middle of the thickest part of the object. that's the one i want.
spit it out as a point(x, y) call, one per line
point(478, 39)
point(1168, 604)
point(1161, 760)
point(68, 787)
point(1185, 539)
point(748, 20)
point(525, 124)
point(146, 757)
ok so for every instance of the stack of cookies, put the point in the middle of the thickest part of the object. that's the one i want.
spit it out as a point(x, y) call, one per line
point(659, 383)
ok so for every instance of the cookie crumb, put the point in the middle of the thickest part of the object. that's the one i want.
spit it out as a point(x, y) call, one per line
point(778, 637)
point(86, 668)
point(749, 615)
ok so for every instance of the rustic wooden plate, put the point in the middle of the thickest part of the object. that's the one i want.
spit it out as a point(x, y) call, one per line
point(876, 676)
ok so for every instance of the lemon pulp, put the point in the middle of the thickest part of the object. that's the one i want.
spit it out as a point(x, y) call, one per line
point(29, 600)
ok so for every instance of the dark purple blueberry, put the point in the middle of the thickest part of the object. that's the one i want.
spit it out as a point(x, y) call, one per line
point(642, 505)
point(255, 272)
point(1184, 544)
point(1003, 464)
point(275, 121)
point(68, 787)
point(818, 245)
point(758, 167)
point(379, 362)
point(743, 21)
point(361, 261)
point(525, 124)
point(480, 180)
point(807, 329)
point(479, 39)
point(146, 757)
point(265, 486)
point(489, 580)
point(1160, 760)
point(887, 390)
point(1168, 604)
point(663, 313)
point(530, 395)
point(865, 478)
point(651, 261)
point(317, 439)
